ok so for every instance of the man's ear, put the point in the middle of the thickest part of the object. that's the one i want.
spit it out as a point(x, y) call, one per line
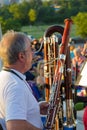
point(21, 56)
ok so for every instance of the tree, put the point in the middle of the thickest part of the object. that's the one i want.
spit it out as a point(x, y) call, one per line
point(20, 12)
point(32, 15)
point(81, 24)
point(4, 12)
point(35, 4)
point(9, 24)
point(46, 15)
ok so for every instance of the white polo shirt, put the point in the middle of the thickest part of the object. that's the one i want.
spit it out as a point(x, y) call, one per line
point(17, 100)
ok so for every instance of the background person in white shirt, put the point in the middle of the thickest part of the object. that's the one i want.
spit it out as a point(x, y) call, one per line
point(19, 109)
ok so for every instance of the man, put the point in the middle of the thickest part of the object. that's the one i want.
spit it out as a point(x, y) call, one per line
point(19, 109)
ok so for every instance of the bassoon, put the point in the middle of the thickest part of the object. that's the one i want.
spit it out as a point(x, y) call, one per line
point(70, 120)
point(54, 98)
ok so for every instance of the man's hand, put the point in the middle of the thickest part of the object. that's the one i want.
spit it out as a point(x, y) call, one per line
point(43, 107)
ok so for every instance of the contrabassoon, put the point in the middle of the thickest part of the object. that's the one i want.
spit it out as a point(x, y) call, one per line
point(50, 55)
point(56, 86)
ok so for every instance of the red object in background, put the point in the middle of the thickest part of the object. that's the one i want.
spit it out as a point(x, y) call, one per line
point(85, 118)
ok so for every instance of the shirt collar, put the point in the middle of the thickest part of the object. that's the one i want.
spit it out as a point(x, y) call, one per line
point(20, 74)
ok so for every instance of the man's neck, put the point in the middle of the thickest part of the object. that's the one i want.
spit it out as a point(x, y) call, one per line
point(15, 67)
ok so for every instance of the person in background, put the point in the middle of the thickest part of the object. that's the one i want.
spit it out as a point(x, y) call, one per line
point(19, 110)
point(40, 80)
point(84, 51)
point(80, 47)
point(35, 47)
point(78, 58)
point(77, 63)
point(72, 47)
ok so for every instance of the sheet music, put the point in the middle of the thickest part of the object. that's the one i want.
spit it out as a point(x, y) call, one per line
point(83, 81)
point(83, 74)
point(84, 71)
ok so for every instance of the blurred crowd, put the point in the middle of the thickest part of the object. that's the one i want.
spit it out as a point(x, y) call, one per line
point(78, 58)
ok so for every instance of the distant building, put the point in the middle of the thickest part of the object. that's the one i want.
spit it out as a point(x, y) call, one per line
point(57, 8)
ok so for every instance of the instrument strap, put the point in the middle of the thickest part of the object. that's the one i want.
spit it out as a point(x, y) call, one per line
point(9, 70)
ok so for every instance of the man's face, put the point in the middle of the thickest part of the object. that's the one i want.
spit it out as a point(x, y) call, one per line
point(28, 60)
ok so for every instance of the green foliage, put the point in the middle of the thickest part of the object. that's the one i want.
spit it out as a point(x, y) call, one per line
point(4, 12)
point(20, 12)
point(35, 4)
point(46, 15)
point(36, 11)
point(81, 24)
point(9, 25)
point(32, 15)
point(15, 10)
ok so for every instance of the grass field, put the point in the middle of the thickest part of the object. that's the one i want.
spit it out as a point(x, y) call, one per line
point(38, 31)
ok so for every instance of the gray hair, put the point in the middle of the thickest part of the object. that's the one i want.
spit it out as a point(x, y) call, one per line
point(77, 50)
point(11, 44)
